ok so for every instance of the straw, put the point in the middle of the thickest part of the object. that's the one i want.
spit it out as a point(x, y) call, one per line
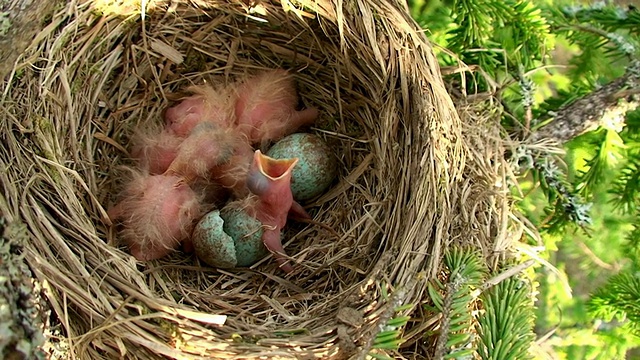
point(416, 176)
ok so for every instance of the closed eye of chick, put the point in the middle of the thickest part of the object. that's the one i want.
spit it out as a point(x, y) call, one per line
point(207, 104)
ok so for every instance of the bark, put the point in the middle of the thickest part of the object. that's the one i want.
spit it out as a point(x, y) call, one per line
point(602, 107)
point(20, 22)
point(22, 308)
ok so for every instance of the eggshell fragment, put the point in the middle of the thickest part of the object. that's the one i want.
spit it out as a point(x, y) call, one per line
point(211, 244)
point(246, 232)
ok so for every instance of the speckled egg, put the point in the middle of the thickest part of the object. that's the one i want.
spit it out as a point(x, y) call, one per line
point(246, 232)
point(211, 244)
point(316, 168)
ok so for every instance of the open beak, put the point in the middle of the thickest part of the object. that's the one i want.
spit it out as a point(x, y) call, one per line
point(265, 172)
point(274, 169)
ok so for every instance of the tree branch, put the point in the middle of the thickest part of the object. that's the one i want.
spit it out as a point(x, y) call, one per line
point(20, 22)
point(606, 105)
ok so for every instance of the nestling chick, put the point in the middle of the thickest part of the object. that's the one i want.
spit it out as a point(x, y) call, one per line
point(155, 151)
point(158, 212)
point(265, 107)
point(207, 104)
point(232, 175)
point(207, 146)
point(269, 179)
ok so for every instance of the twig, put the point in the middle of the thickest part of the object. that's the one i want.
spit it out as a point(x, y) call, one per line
point(596, 260)
point(396, 299)
point(322, 225)
point(506, 274)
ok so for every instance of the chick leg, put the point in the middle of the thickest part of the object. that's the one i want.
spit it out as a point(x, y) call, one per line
point(297, 212)
point(271, 240)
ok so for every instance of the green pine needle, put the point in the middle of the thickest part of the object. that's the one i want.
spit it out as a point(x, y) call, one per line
point(619, 299)
point(399, 321)
point(391, 337)
point(625, 189)
point(506, 328)
point(454, 299)
point(609, 151)
point(380, 356)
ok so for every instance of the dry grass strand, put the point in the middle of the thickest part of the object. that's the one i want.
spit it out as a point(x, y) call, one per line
point(416, 176)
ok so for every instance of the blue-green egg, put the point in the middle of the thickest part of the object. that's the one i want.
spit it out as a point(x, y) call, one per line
point(246, 232)
point(211, 244)
point(316, 168)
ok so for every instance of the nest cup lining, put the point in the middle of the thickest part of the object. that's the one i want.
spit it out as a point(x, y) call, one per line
point(409, 183)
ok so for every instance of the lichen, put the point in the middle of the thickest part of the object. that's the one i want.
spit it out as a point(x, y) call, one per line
point(5, 23)
point(21, 307)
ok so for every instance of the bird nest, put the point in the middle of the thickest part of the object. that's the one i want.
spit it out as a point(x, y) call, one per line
point(415, 177)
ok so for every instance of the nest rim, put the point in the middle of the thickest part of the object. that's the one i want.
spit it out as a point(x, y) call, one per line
point(395, 114)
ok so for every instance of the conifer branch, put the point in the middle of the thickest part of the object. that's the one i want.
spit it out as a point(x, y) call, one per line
point(505, 330)
point(455, 300)
point(589, 112)
point(618, 299)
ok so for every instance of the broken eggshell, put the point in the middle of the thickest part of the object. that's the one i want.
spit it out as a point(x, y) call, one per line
point(316, 168)
point(246, 232)
point(211, 244)
point(229, 238)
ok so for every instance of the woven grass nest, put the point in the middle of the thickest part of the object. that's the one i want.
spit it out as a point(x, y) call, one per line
point(416, 176)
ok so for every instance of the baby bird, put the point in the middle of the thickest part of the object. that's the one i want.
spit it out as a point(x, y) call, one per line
point(155, 151)
point(158, 213)
point(207, 104)
point(232, 174)
point(208, 146)
point(270, 180)
point(265, 107)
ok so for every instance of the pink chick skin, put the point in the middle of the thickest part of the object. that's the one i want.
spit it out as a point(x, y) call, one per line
point(207, 104)
point(232, 175)
point(270, 180)
point(155, 152)
point(208, 146)
point(265, 107)
point(158, 213)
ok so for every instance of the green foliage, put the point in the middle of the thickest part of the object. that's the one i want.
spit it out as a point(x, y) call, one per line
point(608, 148)
point(624, 190)
point(586, 261)
point(589, 344)
point(498, 34)
point(625, 185)
point(615, 161)
point(506, 327)
point(454, 300)
point(391, 337)
point(565, 206)
point(604, 39)
point(434, 16)
point(601, 33)
point(605, 34)
point(542, 56)
point(619, 299)
point(501, 36)
point(632, 244)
